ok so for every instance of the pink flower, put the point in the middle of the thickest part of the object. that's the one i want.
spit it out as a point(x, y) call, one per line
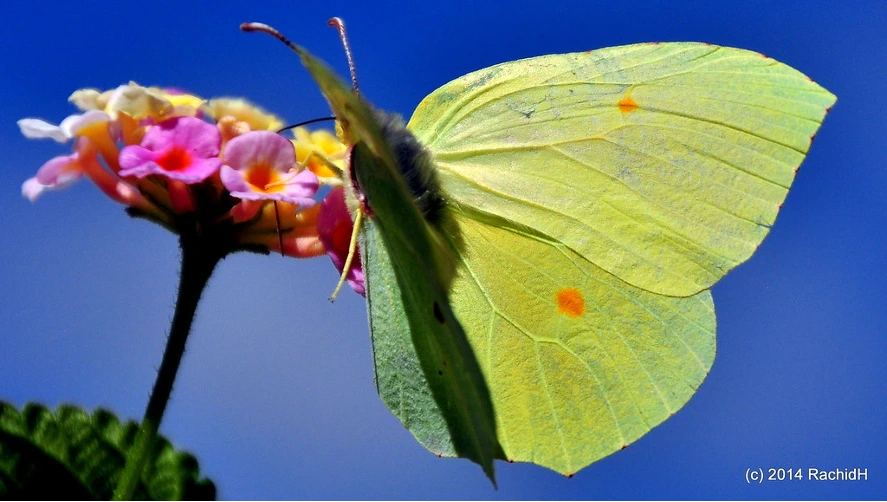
point(334, 226)
point(56, 173)
point(61, 171)
point(185, 149)
point(258, 166)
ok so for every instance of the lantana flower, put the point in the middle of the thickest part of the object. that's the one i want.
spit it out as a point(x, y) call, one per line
point(181, 148)
point(318, 151)
point(203, 167)
point(56, 173)
point(261, 165)
point(215, 174)
point(243, 111)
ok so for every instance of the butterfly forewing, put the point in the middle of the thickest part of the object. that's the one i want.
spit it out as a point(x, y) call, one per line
point(663, 164)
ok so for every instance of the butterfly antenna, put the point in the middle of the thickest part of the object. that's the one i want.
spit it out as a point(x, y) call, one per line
point(300, 124)
point(337, 23)
point(264, 28)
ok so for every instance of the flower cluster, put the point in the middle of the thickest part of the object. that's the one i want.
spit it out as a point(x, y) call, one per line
point(218, 165)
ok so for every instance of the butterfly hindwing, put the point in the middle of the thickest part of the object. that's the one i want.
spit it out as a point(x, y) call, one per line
point(579, 363)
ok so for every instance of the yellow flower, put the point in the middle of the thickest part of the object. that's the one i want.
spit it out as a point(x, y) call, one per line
point(324, 148)
point(244, 111)
point(149, 102)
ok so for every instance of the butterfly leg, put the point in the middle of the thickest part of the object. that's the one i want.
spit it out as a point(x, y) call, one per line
point(352, 251)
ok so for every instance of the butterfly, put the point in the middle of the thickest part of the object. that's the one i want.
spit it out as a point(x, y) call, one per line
point(540, 239)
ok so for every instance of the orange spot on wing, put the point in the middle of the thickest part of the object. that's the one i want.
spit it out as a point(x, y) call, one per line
point(570, 302)
point(627, 105)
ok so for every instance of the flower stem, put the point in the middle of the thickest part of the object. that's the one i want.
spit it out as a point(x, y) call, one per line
point(200, 254)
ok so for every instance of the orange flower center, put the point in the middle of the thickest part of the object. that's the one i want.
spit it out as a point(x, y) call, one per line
point(264, 179)
point(175, 159)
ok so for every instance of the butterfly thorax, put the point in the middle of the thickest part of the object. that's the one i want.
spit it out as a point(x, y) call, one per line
point(416, 165)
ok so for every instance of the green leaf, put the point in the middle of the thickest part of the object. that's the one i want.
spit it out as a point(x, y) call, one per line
point(71, 454)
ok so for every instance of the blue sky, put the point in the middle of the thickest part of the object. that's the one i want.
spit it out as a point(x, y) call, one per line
point(276, 395)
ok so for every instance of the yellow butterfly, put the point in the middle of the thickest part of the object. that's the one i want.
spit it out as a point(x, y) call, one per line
point(588, 203)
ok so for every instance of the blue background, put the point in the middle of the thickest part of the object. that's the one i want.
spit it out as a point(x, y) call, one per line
point(276, 394)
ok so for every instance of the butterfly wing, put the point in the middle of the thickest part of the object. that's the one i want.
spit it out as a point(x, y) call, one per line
point(413, 327)
point(426, 371)
point(579, 363)
point(599, 195)
point(663, 164)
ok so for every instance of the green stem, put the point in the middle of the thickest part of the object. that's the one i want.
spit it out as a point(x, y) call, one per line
point(200, 254)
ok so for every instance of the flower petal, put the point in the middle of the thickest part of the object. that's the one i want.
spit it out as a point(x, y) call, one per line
point(200, 138)
point(39, 129)
point(334, 226)
point(298, 191)
point(133, 157)
point(138, 102)
point(55, 174)
point(234, 181)
point(258, 165)
point(316, 150)
point(31, 189)
point(140, 162)
point(91, 99)
point(260, 147)
point(243, 111)
point(180, 148)
point(303, 185)
point(60, 171)
point(73, 124)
